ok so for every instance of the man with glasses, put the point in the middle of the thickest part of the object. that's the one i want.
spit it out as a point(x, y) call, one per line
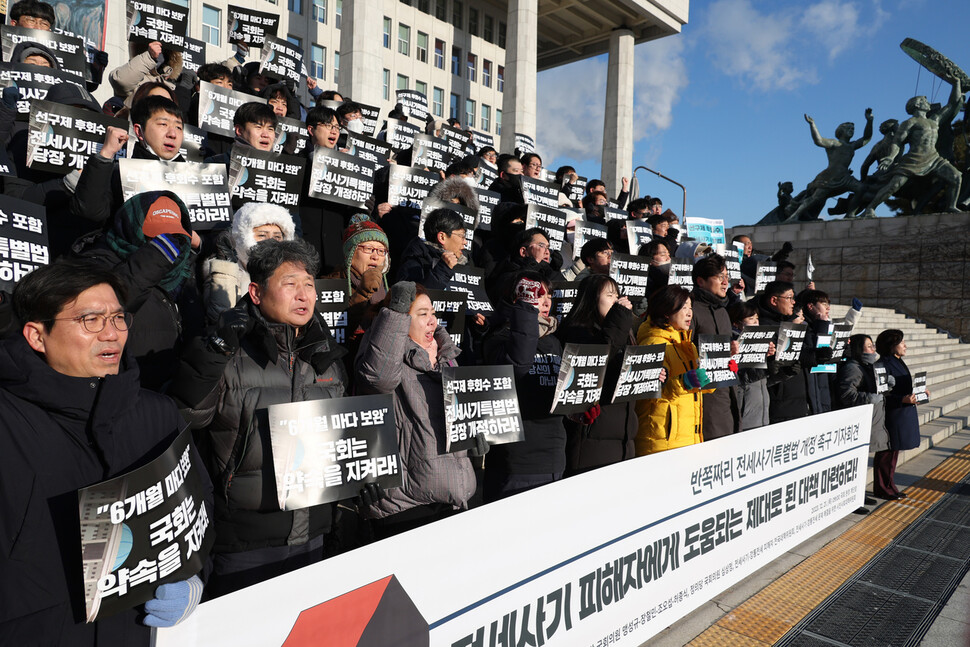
point(432, 261)
point(322, 221)
point(73, 415)
point(709, 299)
point(787, 387)
point(532, 166)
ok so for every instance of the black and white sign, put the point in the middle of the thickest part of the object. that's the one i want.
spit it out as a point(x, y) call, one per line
point(291, 136)
point(612, 212)
point(281, 59)
point(450, 308)
point(251, 27)
point(480, 400)
point(841, 331)
point(193, 56)
point(585, 232)
point(487, 201)
point(159, 21)
point(431, 153)
point(638, 234)
point(564, 295)
point(203, 188)
point(23, 240)
point(487, 174)
point(577, 190)
point(640, 373)
point(540, 192)
point(66, 48)
point(680, 272)
point(552, 220)
point(340, 178)
point(471, 281)
point(368, 149)
point(766, 272)
point(882, 378)
point(146, 528)
point(714, 356)
point(753, 346)
point(193, 143)
point(791, 339)
point(33, 82)
point(332, 303)
point(525, 144)
point(61, 138)
point(630, 272)
point(458, 140)
point(409, 186)
point(217, 107)
point(481, 140)
point(919, 388)
point(400, 134)
point(414, 103)
point(263, 176)
point(581, 373)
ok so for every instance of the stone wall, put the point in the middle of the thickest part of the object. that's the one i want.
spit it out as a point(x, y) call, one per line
point(917, 265)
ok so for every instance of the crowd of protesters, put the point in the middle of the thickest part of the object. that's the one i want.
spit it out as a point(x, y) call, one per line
point(223, 323)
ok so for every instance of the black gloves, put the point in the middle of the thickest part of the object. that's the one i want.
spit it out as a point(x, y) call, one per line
point(481, 446)
point(234, 324)
point(369, 495)
point(402, 296)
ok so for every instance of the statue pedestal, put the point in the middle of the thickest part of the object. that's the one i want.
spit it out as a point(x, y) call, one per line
point(918, 265)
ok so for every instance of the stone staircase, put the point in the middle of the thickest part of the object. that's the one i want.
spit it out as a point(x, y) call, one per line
point(947, 364)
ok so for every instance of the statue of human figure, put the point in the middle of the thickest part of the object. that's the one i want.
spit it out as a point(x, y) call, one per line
point(837, 178)
point(922, 159)
point(881, 148)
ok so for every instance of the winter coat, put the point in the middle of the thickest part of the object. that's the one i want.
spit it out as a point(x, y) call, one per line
point(786, 385)
point(227, 398)
point(855, 384)
point(421, 262)
point(535, 362)
point(817, 385)
point(609, 439)
point(509, 188)
point(142, 69)
point(721, 413)
point(753, 401)
point(675, 418)
point(391, 362)
point(59, 434)
point(902, 421)
point(323, 222)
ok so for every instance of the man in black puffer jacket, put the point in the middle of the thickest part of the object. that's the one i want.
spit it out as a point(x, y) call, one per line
point(787, 388)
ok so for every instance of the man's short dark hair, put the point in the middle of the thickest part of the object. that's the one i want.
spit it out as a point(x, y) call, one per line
point(776, 289)
point(348, 107)
point(528, 157)
point(485, 150)
point(321, 115)
point(785, 265)
point(737, 238)
point(461, 167)
point(267, 255)
point(562, 171)
point(812, 298)
point(33, 9)
point(330, 95)
point(593, 184)
point(255, 112)
point(41, 295)
point(213, 71)
point(593, 247)
point(650, 249)
point(525, 238)
point(655, 201)
point(656, 219)
point(637, 205)
point(504, 160)
point(707, 267)
point(145, 109)
point(442, 221)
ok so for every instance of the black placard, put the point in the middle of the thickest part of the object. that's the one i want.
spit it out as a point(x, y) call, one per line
point(680, 272)
point(400, 134)
point(409, 186)
point(612, 212)
point(640, 373)
point(66, 48)
point(431, 153)
point(471, 281)
point(766, 273)
point(251, 27)
point(193, 56)
point(159, 21)
point(638, 234)
point(581, 373)
point(630, 272)
point(450, 307)
point(33, 82)
point(525, 144)
point(203, 188)
point(414, 103)
point(457, 140)
point(264, 176)
point(714, 356)
point(332, 303)
point(753, 346)
point(733, 268)
point(552, 220)
point(146, 528)
point(841, 331)
point(487, 201)
point(368, 149)
point(564, 295)
point(281, 59)
point(340, 178)
point(487, 174)
point(61, 138)
point(292, 137)
point(919, 388)
point(882, 378)
point(481, 140)
point(585, 232)
point(217, 107)
point(791, 340)
point(327, 450)
point(480, 400)
point(194, 143)
point(577, 190)
point(540, 192)
point(23, 240)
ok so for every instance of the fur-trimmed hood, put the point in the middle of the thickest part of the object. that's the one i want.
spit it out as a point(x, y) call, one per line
point(455, 187)
point(257, 214)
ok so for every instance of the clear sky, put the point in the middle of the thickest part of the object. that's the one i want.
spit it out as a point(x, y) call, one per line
point(720, 107)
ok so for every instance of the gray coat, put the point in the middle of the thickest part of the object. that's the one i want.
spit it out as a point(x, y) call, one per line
point(855, 384)
point(391, 362)
point(753, 403)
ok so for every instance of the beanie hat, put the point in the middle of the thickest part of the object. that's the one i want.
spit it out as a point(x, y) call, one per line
point(34, 49)
point(361, 230)
point(256, 214)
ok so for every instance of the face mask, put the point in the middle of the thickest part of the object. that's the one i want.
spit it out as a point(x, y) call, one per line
point(356, 126)
point(471, 181)
point(870, 358)
point(664, 267)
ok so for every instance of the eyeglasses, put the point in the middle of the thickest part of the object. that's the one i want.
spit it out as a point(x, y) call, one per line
point(461, 233)
point(788, 298)
point(534, 165)
point(542, 245)
point(33, 23)
point(96, 323)
point(379, 250)
point(724, 278)
point(333, 126)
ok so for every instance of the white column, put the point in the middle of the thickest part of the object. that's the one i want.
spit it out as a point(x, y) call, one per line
point(519, 100)
point(618, 122)
point(360, 52)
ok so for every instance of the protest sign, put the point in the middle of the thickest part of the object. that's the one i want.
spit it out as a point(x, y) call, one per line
point(415, 104)
point(640, 373)
point(753, 346)
point(409, 186)
point(487, 201)
point(458, 140)
point(340, 178)
point(6, 166)
point(487, 174)
point(61, 138)
point(705, 230)
point(33, 83)
point(714, 356)
point(471, 281)
point(217, 107)
point(332, 303)
point(431, 153)
point(368, 149)
point(552, 220)
point(450, 307)
point(638, 234)
point(540, 192)
point(581, 373)
point(400, 135)
point(23, 240)
point(193, 56)
point(680, 272)
point(919, 388)
point(291, 136)
point(882, 378)
point(250, 27)
point(481, 140)
point(468, 216)
point(263, 176)
point(84, 19)
point(563, 298)
point(524, 144)
point(66, 48)
point(765, 274)
point(733, 269)
point(157, 21)
point(614, 213)
point(280, 59)
point(788, 347)
point(585, 232)
point(327, 450)
point(143, 529)
point(577, 190)
point(630, 272)
point(193, 143)
point(480, 400)
point(202, 187)
point(841, 332)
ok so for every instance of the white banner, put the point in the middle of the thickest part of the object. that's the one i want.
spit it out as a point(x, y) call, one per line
point(570, 560)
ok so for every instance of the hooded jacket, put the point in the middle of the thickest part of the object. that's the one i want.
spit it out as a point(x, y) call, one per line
point(721, 413)
point(33, 48)
point(455, 187)
point(855, 384)
point(144, 68)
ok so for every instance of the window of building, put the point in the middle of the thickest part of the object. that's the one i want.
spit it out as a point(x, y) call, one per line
point(472, 67)
point(338, 13)
point(501, 34)
point(318, 62)
point(453, 108)
point(456, 60)
point(387, 85)
point(402, 82)
point(438, 102)
point(296, 6)
point(458, 14)
point(320, 11)
point(211, 24)
point(387, 32)
point(487, 73)
point(441, 9)
point(486, 115)
point(293, 40)
point(422, 47)
point(424, 5)
point(500, 79)
point(473, 21)
point(336, 66)
point(488, 29)
point(439, 54)
point(469, 113)
point(421, 87)
point(403, 39)
point(498, 121)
